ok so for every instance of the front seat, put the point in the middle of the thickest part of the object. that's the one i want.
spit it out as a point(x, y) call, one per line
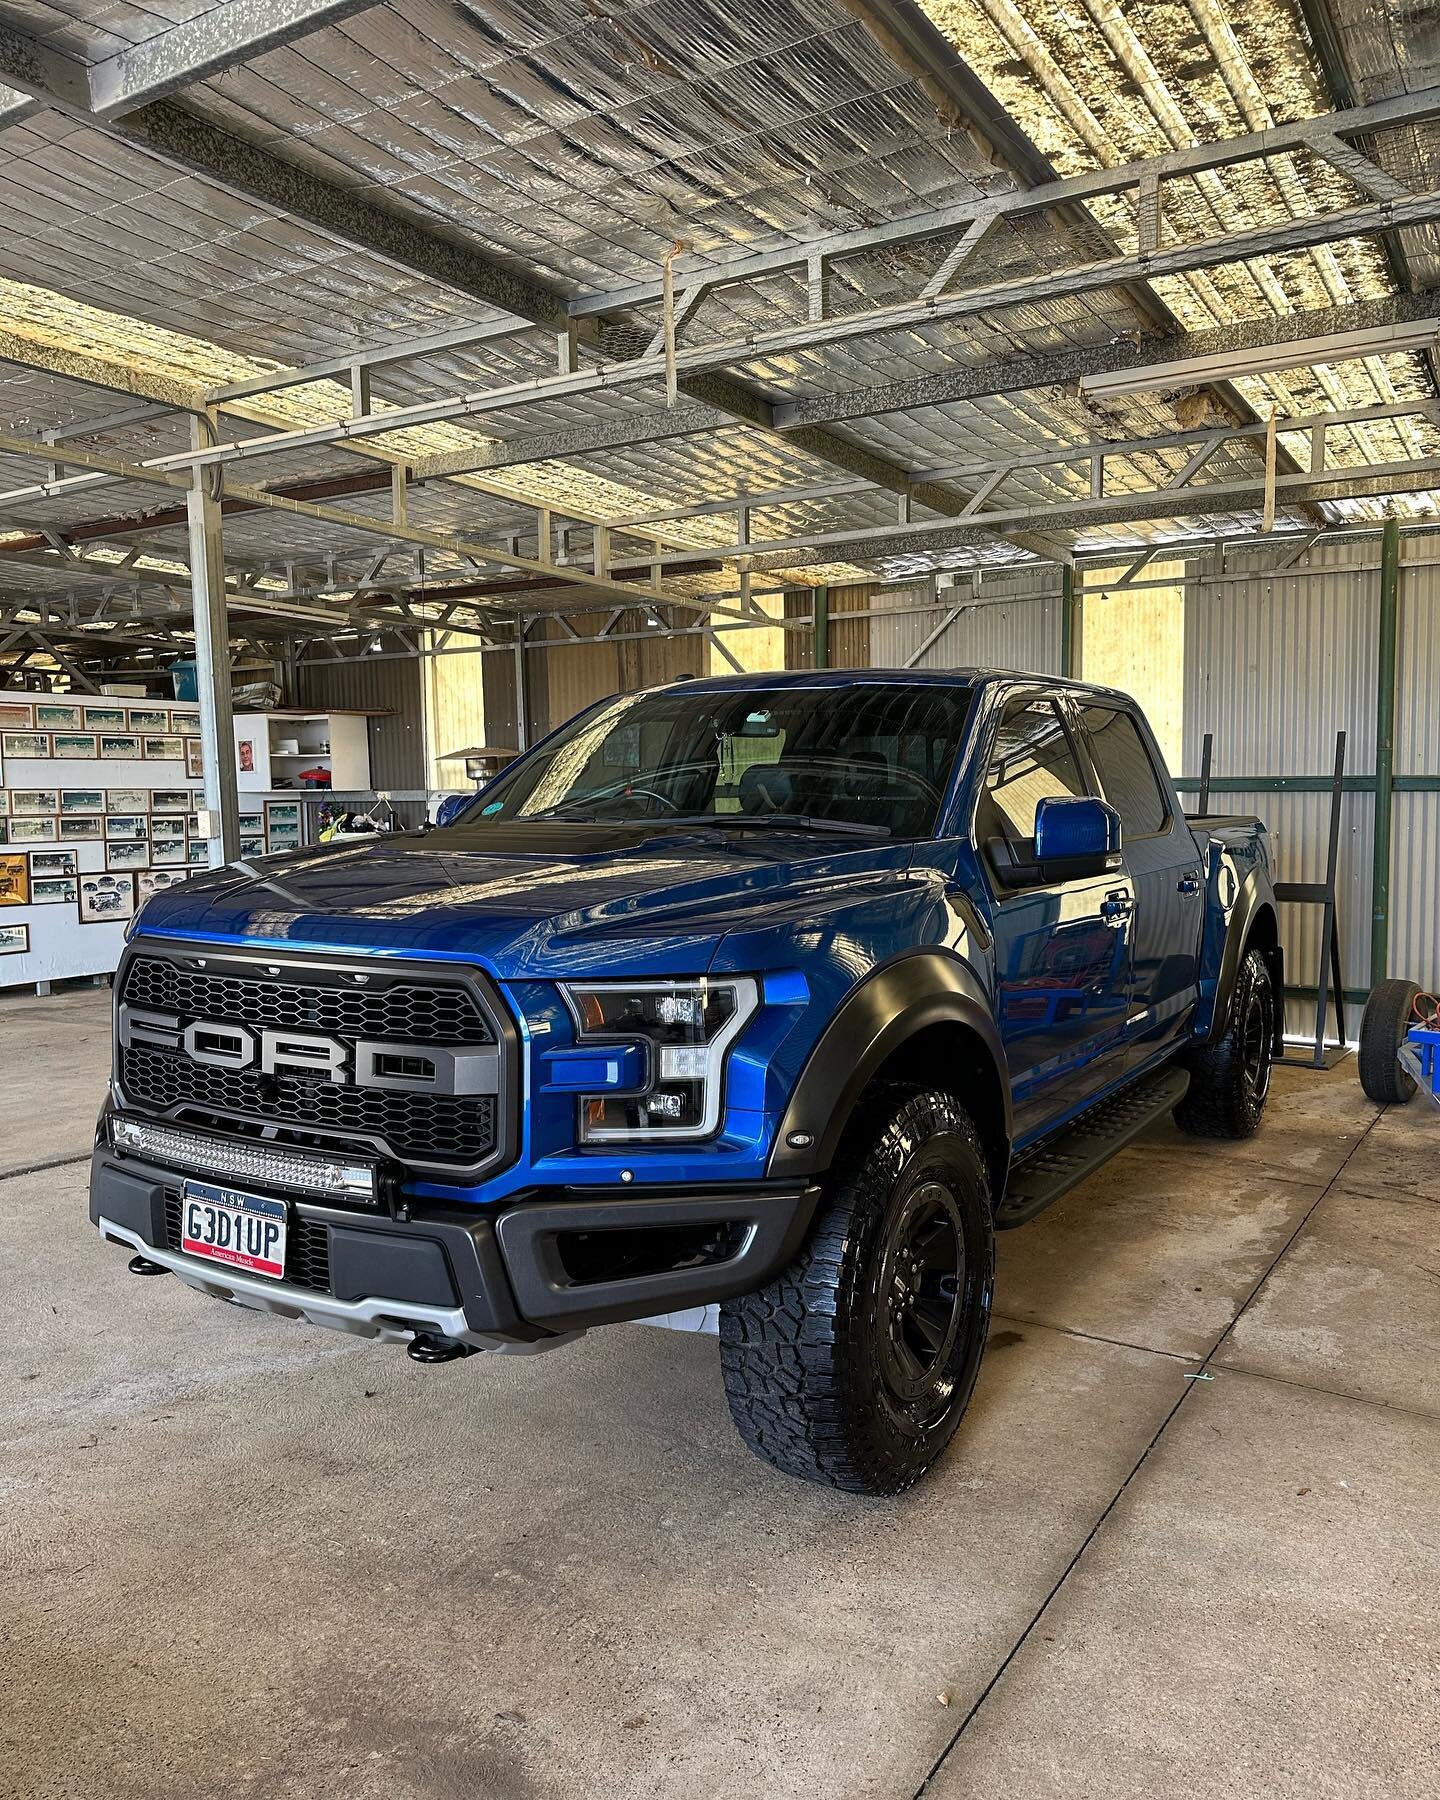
point(765, 788)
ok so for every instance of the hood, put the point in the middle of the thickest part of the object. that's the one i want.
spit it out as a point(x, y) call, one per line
point(541, 898)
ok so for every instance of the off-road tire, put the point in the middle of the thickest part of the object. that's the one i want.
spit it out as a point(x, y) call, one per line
point(811, 1361)
point(1230, 1079)
point(1388, 1016)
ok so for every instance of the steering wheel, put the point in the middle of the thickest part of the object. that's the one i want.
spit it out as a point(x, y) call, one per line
point(644, 793)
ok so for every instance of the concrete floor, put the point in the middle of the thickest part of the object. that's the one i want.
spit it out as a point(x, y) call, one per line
point(1187, 1542)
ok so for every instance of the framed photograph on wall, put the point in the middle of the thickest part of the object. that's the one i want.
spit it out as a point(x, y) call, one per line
point(49, 863)
point(14, 940)
point(164, 749)
point(26, 743)
point(4, 803)
point(127, 800)
point(119, 749)
point(33, 803)
point(186, 722)
point(54, 717)
point(104, 899)
point(54, 890)
point(127, 856)
point(14, 880)
point(194, 765)
point(198, 853)
point(16, 715)
point(104, 718)
point(32, 831)
point(129, 828)
point(155, 881)
point(81, 830)
point(75, 744)
point(82, 800)
point(170, 852)
point(166, 830)
point(149, 718)
point(167, 800)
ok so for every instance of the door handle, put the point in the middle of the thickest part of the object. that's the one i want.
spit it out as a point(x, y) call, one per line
point(1116, 908)
point(1189, 882)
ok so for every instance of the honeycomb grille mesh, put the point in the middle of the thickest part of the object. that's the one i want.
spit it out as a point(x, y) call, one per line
point(433, 1129)
point(409, 1012)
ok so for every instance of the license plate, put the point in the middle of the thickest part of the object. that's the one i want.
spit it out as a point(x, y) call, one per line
point(247, 1231)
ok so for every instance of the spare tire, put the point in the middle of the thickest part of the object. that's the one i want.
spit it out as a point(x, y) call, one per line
point(1388, 1016)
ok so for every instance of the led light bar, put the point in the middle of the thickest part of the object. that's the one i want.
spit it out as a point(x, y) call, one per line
point(268, 1164)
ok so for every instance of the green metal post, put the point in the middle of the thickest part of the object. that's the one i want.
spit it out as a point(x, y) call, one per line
point(1068, 608)
point(822, 627)
point(1385, 748)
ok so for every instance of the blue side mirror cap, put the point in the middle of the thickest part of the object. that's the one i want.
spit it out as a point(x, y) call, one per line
point(451, 807)
point(1079, 827)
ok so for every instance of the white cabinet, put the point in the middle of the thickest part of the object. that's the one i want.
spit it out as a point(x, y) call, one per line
point(274, 749)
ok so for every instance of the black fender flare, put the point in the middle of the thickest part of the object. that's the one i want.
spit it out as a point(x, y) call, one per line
point(878, 1016)
point(1256, 895)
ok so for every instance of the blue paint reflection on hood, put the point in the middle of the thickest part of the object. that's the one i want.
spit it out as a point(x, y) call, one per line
point(534, 898)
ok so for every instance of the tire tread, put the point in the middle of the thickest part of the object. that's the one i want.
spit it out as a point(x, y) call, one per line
point(1385, 1022)
point(780, 1349)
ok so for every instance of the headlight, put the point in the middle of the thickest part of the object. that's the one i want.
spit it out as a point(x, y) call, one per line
point(683, 1030)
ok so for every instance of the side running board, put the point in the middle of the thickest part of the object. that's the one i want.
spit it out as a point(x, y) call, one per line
point(1042, 1175)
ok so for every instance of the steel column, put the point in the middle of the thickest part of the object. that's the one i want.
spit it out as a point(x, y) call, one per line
point(212, 663)
point(820, 615)
point(1069, 619)
point(1385, 748)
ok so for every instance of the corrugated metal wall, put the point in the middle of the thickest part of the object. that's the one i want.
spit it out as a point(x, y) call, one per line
point(455, 708)
point(1415, 872)
point(565, 677)
point(1275, 665)
point(1007, 622)
point(391, 686)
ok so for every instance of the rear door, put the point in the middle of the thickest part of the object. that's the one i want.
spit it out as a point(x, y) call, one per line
point(1062, 951)
point(1165, 872)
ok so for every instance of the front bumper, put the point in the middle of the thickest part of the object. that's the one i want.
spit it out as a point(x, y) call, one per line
point(522, 1277)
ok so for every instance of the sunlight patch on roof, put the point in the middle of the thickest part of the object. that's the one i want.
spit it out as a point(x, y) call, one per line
point(1099, 83)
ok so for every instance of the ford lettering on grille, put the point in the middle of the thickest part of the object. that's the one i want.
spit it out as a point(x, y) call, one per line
point(409, 1068)
point(410, 1062)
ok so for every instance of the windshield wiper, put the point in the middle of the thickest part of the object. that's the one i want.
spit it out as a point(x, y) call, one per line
point(792, 821)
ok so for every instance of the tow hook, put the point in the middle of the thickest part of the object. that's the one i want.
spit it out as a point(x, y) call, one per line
point(430, 1347)
point(142, 1265)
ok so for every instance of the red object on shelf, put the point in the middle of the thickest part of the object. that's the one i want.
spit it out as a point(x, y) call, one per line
point(315, 778)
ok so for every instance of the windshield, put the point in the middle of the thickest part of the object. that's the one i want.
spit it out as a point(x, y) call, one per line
point(868, 757)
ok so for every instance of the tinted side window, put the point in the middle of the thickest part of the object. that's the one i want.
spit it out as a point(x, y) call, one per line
point(1126, 772)
point(1032, 761)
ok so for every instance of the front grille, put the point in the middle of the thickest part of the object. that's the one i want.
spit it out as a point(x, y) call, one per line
point(423, 1130)
point(307, 1248)
point(406, 1011)
point(432, 1127)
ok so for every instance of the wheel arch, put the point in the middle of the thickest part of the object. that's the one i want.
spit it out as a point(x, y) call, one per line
point(1254, 925)
point(924, 1018)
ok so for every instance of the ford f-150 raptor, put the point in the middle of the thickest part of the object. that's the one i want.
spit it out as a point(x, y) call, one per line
point(756, 1004)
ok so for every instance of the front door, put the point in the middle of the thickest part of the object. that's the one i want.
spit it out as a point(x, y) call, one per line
point(1062, 952)
point(1164, 867)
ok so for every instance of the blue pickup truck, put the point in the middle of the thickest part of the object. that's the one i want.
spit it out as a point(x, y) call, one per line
point(754, 1005)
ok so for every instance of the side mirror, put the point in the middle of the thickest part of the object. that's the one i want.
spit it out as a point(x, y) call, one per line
point(1076, 837)
point(451, 807)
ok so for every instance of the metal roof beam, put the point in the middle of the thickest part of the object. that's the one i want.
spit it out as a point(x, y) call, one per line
point(1236, 246)
point(206, 45)
point(1063, 368)
point(1302, 134)
point(875, 543)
